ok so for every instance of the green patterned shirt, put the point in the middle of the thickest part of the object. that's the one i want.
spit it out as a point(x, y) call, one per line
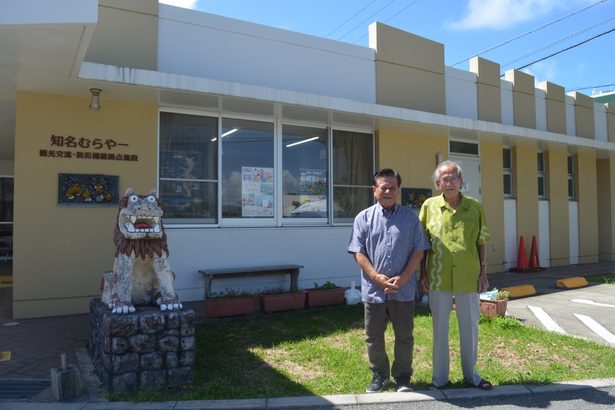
point(453, 263)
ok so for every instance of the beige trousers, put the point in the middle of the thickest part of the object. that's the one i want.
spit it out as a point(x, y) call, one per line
point(468, 315)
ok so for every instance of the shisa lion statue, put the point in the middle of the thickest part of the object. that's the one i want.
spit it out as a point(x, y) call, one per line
point(141, 272)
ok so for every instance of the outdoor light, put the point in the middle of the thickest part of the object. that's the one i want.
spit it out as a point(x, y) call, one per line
point(95, 101)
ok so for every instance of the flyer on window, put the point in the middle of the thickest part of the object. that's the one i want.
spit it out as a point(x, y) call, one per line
point(256, 191)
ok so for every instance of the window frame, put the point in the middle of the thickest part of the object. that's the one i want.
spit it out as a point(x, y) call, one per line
point(278, 219)
point(571, 177)
point(541, 174)
point(508, 171)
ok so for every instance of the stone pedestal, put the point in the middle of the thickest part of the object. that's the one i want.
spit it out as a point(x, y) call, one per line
point(142, 350)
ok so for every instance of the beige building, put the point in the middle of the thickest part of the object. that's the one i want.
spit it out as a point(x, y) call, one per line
point(262, 150)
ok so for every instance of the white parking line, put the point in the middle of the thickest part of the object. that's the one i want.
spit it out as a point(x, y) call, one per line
point(546, 320)
point(591, 302)
point(597, 328)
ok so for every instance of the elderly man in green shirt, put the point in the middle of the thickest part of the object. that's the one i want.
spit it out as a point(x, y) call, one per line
point(454, 267)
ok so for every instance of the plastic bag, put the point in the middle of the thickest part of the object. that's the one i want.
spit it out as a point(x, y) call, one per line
point(352, 295)
point(489, 295)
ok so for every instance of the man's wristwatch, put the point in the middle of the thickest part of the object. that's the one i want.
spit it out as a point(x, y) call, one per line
point(483, 264)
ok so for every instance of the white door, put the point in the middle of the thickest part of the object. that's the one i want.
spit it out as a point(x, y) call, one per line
point(470, 165)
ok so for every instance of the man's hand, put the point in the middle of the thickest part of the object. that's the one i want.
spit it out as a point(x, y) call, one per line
point(424, 281)
point(394, 284)
point(483, 282)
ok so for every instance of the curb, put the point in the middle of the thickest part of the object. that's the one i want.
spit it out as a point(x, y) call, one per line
point(333, 401)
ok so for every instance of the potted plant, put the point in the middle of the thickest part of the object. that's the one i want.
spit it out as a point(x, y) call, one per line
point(229, 303)
point(497, 306)
point(277, 300)
point(325, 295)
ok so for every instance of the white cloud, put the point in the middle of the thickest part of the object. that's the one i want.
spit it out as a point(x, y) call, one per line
point(186, 4)
point(543, 71)
point(502, 14)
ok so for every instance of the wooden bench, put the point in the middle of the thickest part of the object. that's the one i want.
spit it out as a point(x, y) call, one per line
point(211, 274)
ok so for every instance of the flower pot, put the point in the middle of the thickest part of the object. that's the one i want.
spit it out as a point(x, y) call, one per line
point(282, 301)
point(325, 297)
point(235, 306)
point(493, 307)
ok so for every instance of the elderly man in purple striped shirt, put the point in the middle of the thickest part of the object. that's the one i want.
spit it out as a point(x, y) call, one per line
point(388, 243)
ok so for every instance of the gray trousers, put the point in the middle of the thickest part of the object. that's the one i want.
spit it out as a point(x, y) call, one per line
point(377, 316)
point(468, 315)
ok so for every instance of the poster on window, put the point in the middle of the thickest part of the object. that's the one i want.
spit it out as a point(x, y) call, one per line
point(256, 191)
point(312, 193)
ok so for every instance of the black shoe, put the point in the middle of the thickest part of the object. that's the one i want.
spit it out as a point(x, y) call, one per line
point(432, 386)
point(378, 384)
point(484, 385)
point(403, 384)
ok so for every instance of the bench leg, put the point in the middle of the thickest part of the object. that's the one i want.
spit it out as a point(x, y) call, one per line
point(294, 280)
point(207, 294)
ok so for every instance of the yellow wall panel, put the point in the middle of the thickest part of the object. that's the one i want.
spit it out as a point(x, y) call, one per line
point(492, 198)
point(588, 206)
point(526, 191)
point(79, 239)
point(556, 162)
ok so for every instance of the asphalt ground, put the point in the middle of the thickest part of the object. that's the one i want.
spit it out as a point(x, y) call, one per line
point(30, 348)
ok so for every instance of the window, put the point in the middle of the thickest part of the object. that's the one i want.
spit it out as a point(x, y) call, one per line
point(542, 192)
point(6, 218)
point(507, 171)
point(353, 168)
point(227, 171)
point(467, 148)
point(571, 178)
point(304, 173)
point(188, 167)
point(247, 169)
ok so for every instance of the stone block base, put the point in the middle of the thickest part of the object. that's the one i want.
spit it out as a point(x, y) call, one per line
point(142, 350)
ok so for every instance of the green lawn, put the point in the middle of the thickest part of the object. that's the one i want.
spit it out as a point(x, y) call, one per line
point(602, 278)
point(322, 351)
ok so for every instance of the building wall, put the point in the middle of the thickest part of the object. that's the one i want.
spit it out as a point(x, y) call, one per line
point(588, 206)
point(492, 198)
point(132, 28)
point(60, 252)
point(525, 177)
point(402, 79)
point(584, 115)
point(238, 51)
point(524, 102)
point(488, 89)
point(413, 155)
point(610, 121)
point(556, 107)
point(606, 211)
point(461, 95)
point(556, 163)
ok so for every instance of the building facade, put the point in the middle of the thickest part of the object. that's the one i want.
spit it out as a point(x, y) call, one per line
point(261, 143)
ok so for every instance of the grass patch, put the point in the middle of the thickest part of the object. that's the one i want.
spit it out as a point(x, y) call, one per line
point(602, 278)
point(322, 351)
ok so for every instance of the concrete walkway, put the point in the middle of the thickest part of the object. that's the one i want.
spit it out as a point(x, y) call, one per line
point(35, 346)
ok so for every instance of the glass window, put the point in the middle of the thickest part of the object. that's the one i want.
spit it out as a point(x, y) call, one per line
point(540, 158)
point(304, 175)
point(247, 169)
point(188, 167)
point(467, 148)
point(507, 171)
point(6, 218)
point(571, 178)
point(353, 169)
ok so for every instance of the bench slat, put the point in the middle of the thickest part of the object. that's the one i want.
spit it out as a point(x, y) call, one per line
point(211, 274)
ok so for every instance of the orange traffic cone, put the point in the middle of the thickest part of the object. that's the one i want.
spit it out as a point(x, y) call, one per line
point(521, 257)
point(534, 264)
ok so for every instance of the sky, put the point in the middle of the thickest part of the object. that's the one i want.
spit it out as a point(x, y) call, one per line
point(512, 33)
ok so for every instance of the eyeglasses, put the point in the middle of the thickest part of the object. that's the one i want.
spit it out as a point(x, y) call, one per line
point(449, 180)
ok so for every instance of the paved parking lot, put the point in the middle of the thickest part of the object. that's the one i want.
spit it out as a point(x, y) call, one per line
point(584, 312)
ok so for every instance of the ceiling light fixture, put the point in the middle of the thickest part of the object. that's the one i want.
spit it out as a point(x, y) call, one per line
point(95, 100)
point(301, 142)
point(229, 132)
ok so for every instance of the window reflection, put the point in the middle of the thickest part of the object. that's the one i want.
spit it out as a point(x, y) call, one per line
point(304, 161)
